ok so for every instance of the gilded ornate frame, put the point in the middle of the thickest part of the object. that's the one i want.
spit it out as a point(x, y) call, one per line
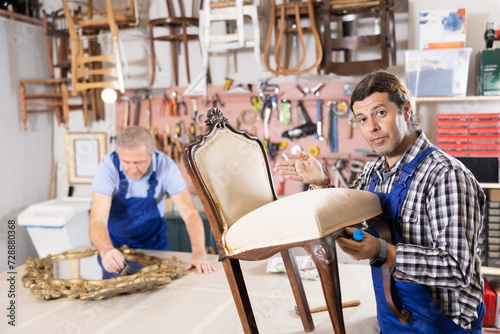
point(39, 277)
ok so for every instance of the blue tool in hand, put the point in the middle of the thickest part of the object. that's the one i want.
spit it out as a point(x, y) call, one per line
point(358, 235)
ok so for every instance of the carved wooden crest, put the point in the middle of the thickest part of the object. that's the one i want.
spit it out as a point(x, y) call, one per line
point(215, 116)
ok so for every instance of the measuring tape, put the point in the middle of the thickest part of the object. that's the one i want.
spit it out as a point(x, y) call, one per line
point(313, 150)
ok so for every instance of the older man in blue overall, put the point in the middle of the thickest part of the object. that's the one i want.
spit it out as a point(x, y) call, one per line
point(433, 205)
point(128, 203)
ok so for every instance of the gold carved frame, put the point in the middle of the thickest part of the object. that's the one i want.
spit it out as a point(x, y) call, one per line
point(84, 152)
point(39, 277)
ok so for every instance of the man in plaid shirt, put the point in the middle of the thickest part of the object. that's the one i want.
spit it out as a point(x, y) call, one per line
point(434, 207)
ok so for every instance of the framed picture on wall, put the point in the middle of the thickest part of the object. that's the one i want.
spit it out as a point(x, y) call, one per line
point(84, 151)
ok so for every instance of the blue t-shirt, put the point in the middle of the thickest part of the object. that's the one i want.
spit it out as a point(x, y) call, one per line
point(170, 180)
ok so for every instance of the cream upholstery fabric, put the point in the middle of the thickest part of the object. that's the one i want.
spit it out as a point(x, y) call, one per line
point(299, 217)
point(238, 181)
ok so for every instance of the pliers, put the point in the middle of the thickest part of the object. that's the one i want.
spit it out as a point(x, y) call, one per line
point(180, 102)
point(172, 105)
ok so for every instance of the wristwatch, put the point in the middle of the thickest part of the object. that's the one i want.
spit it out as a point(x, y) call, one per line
point(380, 260)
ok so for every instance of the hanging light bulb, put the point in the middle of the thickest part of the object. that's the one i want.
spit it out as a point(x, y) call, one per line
point(108, 95)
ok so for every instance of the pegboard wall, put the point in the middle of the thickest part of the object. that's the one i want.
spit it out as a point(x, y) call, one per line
point(158, 114)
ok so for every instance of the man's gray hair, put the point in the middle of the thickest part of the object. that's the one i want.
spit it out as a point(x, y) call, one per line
point(135, 136)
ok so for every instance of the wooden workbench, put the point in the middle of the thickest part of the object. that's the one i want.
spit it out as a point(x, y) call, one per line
point(192, 304)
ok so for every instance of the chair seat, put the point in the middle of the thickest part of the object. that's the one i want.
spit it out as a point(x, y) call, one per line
point(304, 216)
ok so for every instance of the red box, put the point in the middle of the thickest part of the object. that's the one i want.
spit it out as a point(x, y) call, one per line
point(490, 298)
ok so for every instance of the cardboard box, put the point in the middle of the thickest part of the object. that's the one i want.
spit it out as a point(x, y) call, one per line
point(490, 299)
point(442, 29)
point(488, 73)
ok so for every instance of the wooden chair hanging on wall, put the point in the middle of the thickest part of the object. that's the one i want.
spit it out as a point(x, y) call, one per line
point(233, 13)
point(58, 56)
point(376, 15)
point(177, 25)
point(92, 70)
point(231, 173)
point(285, 20)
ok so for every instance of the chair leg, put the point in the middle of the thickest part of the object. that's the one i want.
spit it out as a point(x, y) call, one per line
point(24, 111)
point(153, 56)
point(186, 51)
point(175, 59)
point(85, 105)
point(65, 104)
point(256, 33)
point(324, 255)
point(299, 293)
point(240, 295)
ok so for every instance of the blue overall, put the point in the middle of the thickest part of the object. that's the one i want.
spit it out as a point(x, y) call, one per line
point(135, 221)
point(426, 316)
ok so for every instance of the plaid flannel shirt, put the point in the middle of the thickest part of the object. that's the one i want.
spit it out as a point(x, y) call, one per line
point(440, 220)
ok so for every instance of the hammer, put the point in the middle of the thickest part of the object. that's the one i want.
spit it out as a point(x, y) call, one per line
point(127, 101)
point(352, 303)
point(137, 100)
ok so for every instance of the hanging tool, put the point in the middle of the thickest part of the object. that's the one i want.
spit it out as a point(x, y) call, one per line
point(319, 130)
point(294, 150)
point(181, 103)
point(159, 142)
point(192, 132)
point(275, 147)
point(313, 150)
point(351, 121)
point(332, 122)
point(227, 84)
point(149, 118)
point(242, 120)
point(304, 116)
point(356, 168)
point(167, 142)
point(300, 131)
point(341, 108)
point(339, 179)
point(285, 115)
point(137, 100)
point(267, 117)
point(177, 149)
point(313, 91)
point(273, 99)
point(307, 128)
point(194, 108)
point(164, 104)
point(126, 111)
point(172, 105)
point(256, 102)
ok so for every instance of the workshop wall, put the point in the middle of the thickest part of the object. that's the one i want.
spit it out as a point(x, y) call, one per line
point(26, 156)
point(160, 121)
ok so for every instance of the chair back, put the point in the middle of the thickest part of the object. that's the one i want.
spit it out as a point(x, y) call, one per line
point(125, 12)
point(230, 171)
point(58, 43)
point(175, 8)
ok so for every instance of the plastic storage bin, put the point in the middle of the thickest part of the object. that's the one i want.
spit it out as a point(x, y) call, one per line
point(57, 225)
point(438, 72)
